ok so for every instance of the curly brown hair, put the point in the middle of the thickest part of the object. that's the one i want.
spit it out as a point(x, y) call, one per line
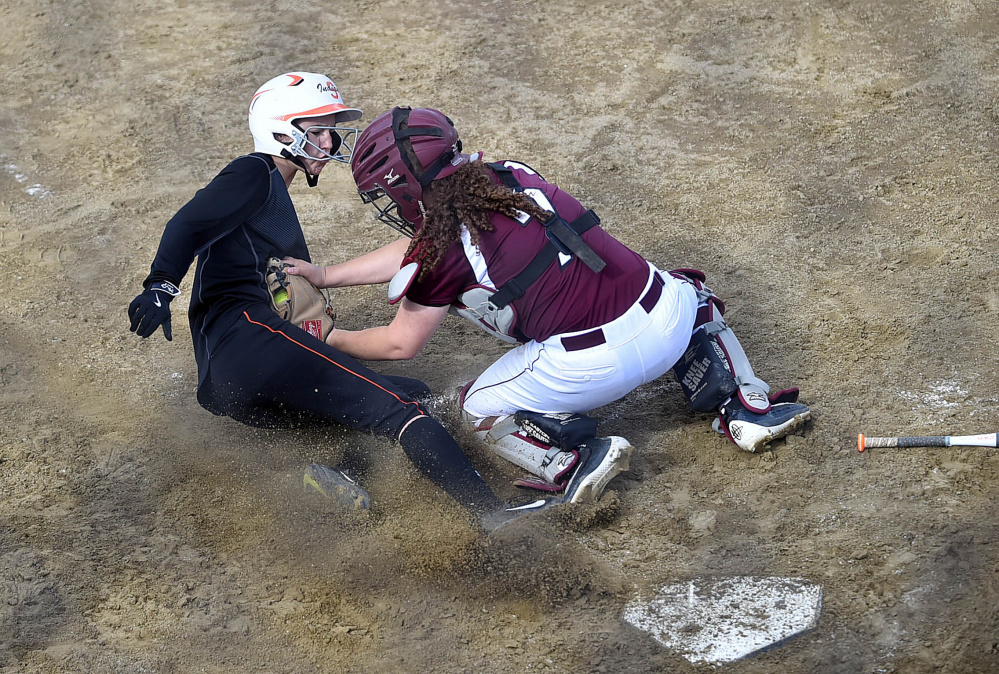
point(466, 197)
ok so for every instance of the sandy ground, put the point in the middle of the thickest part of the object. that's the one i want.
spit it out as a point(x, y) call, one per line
point(831, 166)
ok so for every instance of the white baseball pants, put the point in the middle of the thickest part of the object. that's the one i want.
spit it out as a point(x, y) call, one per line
point(580, 371)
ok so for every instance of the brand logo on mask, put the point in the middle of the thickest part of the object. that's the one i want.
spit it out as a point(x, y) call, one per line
point(457, 160)
point(391, 176)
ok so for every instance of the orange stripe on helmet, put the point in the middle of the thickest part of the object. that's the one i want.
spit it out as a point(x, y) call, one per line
point(258, 95)
point(315, 112)
point(295, 79)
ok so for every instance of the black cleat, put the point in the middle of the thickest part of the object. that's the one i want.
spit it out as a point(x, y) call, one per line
point(601, 459)
point(751, 431)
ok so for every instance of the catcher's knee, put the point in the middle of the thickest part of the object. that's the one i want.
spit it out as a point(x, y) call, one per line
point(468, 412)
point(463, 393)
point(715, 367)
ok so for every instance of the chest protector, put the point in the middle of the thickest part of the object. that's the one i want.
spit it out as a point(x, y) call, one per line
point(491, 308)
point(473, 305)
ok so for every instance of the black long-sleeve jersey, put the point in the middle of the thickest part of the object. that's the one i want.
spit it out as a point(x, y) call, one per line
point(233, 225)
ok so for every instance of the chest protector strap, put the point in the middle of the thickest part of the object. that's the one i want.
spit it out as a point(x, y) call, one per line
point(563, 237)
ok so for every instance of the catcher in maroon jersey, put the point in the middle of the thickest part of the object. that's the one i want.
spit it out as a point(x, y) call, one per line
point(498, 245)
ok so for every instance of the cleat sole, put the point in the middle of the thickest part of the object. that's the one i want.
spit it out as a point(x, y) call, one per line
point(794, 424)
point(336, 487)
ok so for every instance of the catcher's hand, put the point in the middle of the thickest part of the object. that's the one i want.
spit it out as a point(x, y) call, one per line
point(297, 301)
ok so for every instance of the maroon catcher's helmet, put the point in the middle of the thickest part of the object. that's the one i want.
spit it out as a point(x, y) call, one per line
point(397, 156)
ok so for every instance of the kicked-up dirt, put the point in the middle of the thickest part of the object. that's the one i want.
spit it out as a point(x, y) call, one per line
point(830, 166)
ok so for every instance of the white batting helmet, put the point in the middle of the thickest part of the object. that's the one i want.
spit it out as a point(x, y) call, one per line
point(293, 96)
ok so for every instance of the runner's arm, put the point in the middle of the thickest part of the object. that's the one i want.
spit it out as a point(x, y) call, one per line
point(215, 210)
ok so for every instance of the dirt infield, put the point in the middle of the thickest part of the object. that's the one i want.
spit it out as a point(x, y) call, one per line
point(831, 166)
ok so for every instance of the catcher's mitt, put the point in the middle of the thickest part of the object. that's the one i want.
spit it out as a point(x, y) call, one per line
point(298, 301)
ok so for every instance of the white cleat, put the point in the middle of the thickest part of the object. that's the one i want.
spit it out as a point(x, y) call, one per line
point(600, 461)
point(752, 431)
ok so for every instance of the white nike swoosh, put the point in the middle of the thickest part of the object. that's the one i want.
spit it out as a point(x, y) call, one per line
point(528, 506)
point(156, 300)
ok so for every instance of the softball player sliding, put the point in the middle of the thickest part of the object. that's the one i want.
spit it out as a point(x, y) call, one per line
point(252, 365)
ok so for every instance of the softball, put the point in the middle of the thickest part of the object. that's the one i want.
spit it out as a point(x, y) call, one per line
point(281, 296)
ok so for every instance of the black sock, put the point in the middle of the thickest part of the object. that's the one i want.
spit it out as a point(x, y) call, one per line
point(436, 454)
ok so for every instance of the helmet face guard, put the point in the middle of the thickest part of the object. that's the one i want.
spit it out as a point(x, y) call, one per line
point(388, 211)
point(344, 139)
point(398, 156)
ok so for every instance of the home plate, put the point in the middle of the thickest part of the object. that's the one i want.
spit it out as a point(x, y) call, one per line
point(721, 620)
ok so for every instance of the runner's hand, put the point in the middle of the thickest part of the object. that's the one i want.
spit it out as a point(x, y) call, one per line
point(151, 309)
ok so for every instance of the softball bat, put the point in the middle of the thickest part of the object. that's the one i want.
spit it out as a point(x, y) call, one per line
point(983, 440)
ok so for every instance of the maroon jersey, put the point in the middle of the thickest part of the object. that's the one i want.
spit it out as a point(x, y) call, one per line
point(568, 297)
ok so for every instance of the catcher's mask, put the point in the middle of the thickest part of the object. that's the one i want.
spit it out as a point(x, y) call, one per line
point(397, 156)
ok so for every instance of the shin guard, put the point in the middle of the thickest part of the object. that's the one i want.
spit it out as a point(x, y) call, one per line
point(542, 444)
point(714, 366)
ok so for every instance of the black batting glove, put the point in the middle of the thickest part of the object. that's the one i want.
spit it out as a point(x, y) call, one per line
point(151, 309)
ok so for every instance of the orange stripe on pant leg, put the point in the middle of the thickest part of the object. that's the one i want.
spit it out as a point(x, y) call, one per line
point(327, 358)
